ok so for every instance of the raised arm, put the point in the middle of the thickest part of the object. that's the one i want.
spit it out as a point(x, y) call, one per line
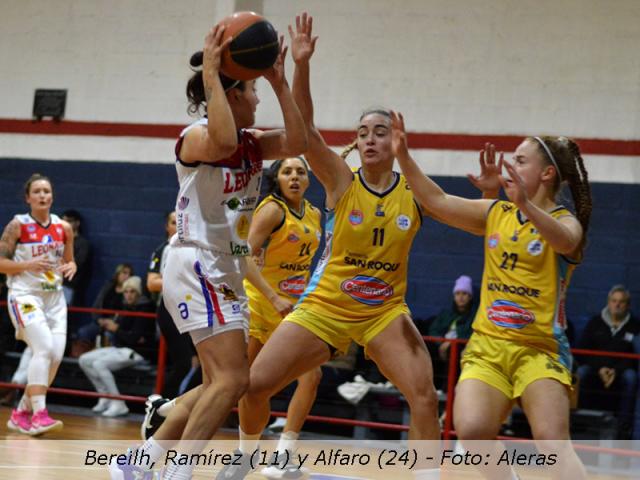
point(467, 215)
point(564, 234)
point(218, 140)
point(331, 170)
point(292, 140)
point(488, 182)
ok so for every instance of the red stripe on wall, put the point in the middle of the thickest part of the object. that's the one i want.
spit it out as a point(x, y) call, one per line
point(65, 127)
point(436, 141)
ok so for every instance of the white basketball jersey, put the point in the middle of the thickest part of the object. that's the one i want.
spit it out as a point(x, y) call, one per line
point(37, 241)
point(216, 200)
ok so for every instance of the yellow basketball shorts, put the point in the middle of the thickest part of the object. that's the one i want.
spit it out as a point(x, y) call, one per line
point(263, 319)
point(508, 366)
point(339, 332)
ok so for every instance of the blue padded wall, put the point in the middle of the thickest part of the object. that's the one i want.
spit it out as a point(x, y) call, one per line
point(123, 205)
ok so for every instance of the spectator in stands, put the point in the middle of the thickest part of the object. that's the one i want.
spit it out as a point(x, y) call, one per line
point(110, 297)
point(180, 348)
point(74, 289)
point(133, 340)
point(613, 330)
point(455, 321)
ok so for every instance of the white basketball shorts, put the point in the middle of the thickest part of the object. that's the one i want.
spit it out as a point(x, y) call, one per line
point(49, 308)
point(203, 289)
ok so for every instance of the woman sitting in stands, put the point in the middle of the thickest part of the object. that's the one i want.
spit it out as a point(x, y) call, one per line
point(132, 340)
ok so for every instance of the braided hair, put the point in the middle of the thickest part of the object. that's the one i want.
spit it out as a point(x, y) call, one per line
point(569, 161)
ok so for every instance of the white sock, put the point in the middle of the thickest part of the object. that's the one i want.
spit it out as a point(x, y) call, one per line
point(427, 474)
point(178, 472)
point(38, 402)
point(165, 408)
point(24, 403)
point(288, 441)
point(152, 448)
point(248, 443)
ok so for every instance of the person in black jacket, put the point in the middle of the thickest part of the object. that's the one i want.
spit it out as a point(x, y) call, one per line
point(613, 330)
point(132, 340)
point(110, 297)
point(74, 289)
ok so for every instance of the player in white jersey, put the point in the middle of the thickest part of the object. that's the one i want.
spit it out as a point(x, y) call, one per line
point(219, 165)
point(36, 252)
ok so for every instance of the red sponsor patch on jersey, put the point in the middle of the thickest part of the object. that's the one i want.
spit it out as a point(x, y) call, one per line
point(367, 290)
point(34, 233)
point(504, 313)
point(293, 286)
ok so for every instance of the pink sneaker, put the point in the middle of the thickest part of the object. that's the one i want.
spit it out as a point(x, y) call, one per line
point(20, 421)
point(41, 423)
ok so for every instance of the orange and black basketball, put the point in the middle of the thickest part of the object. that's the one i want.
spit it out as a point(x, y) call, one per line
point(254, 47)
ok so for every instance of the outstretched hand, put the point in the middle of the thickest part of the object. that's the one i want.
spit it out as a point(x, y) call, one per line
point(514, 186)
point(303, 44)
point(275, 75)
point(398, 135)
point(488, 180)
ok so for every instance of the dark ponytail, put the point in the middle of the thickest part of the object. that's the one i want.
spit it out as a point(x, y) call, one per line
point(195, 85)
point(569, 160)
point(270, 179)
point(578, 180)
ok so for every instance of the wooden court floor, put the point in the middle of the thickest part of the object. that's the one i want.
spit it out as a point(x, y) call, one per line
point(62, 455)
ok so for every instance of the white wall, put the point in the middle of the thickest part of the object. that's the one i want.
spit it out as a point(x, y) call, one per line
point(479, 66)
point(466, 66)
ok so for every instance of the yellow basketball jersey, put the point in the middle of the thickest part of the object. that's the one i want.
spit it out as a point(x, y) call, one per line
point(524, 283)
point(288, 251)
point(368, 235)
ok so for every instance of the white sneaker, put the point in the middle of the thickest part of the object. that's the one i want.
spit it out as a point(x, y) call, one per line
point(102, 405)
point(285, 467)
point(277, 425)
point(130, 472)
point(116, 409)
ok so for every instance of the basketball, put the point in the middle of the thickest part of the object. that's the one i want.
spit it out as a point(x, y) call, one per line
point(254, 47)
